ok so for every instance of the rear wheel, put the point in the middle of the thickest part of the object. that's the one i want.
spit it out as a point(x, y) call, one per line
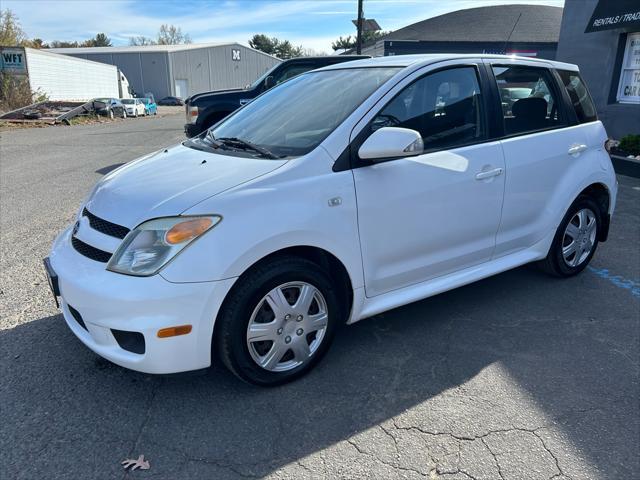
point(575, 241)
point(278, 321)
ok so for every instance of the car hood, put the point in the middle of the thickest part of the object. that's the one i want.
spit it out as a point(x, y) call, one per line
point(168, 182)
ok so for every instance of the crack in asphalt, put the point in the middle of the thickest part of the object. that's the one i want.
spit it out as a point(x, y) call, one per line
point(396, 467)
point(147, 417)
point(495, 458)
point(482, 437)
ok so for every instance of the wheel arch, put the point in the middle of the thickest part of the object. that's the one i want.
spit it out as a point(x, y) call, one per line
point(325, 259)
point(600, 193)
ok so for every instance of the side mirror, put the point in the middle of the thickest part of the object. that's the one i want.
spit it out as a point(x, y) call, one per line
point(391, 142)
point(269, 82)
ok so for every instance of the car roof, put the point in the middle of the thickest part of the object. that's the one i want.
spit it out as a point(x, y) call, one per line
point(426, 59)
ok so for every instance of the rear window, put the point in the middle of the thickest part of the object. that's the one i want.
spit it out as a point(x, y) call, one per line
point(579, 95)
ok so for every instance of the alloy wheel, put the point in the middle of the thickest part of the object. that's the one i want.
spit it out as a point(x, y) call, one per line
point(579, 237)
point(287, 326)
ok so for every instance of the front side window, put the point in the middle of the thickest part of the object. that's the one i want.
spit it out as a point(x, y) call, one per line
point(445, 107)
point(579, 95)
point(528, 101)
point(294, 118)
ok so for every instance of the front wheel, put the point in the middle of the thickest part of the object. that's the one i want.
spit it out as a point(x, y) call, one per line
point(575, 241)
point(111, 114)
point(278, 321)
point(124, 113)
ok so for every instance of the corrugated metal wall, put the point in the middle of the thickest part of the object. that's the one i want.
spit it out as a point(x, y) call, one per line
point(204, 69)
point(67, 78)
point(213, 68)
point(146, 72)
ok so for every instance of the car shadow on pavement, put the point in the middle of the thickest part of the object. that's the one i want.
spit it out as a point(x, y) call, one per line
point(516, 351)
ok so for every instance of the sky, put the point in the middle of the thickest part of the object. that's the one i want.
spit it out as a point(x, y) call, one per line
point(313, 24)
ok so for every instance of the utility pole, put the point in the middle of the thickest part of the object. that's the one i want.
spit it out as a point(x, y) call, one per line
point(359, 35)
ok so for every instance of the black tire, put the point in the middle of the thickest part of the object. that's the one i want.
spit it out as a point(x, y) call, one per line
point(111, 114)
point(124, 113)
point(554, 264)
point(233, 320)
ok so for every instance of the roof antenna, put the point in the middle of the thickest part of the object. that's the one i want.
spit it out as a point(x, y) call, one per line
point(511, 33)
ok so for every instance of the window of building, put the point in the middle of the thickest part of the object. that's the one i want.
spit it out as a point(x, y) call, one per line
point(445, 107)
point(629, 86)
point(528, 101)
point(579, 95)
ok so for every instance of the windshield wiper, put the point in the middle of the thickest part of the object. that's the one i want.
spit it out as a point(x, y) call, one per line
point(235, 142)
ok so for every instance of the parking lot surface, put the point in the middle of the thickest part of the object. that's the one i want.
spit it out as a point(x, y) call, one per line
point(520, 376)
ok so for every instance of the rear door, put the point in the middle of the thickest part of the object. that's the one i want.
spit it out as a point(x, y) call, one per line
point(436, 213)
point(540, 148)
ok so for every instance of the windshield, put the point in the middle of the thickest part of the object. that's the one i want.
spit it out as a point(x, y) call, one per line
point(146, 101)
point(128, 101)
point(295, 117)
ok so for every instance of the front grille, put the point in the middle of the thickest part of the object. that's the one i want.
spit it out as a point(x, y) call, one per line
point(90, 252)
point(76, 315)
point(104, 226)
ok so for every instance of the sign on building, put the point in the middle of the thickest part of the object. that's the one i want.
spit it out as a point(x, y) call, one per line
point(13, 60)
point(629, 86)
point(235, 54)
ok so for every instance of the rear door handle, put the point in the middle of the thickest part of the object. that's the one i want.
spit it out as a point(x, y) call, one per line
point(577, 149)
point(489, 173)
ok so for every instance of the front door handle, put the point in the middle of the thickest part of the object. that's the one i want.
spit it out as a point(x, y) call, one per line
point(489, 173)
point(576, 149)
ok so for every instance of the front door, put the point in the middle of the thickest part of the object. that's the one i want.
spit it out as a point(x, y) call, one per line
point(425, 216)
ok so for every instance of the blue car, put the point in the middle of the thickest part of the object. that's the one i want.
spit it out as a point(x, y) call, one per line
point(150, 107)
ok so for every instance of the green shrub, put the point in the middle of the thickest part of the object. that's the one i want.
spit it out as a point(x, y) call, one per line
point(15, 92)
point(630, 144)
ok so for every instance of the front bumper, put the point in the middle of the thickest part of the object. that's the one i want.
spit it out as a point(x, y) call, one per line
point(130, 111)
point(110, 303)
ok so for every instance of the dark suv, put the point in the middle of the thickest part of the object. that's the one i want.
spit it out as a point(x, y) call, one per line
point(207, 108)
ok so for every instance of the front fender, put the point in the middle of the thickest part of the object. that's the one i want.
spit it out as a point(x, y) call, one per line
point(287, 208)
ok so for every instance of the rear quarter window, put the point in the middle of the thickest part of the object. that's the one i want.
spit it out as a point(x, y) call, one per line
point(579, 95)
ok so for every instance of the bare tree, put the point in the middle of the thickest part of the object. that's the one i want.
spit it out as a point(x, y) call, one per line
point(11, 33)
point(141, 41)
point(172, 35)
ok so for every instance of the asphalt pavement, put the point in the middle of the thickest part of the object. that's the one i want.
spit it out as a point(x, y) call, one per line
point(520, 376)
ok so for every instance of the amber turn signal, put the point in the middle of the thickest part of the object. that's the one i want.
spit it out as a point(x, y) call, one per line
point(187, 230)
point(174, 331)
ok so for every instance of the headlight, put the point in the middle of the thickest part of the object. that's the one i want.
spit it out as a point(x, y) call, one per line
point(151, 245)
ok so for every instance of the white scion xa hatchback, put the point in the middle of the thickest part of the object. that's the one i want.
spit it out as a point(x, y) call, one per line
point(340, 194)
